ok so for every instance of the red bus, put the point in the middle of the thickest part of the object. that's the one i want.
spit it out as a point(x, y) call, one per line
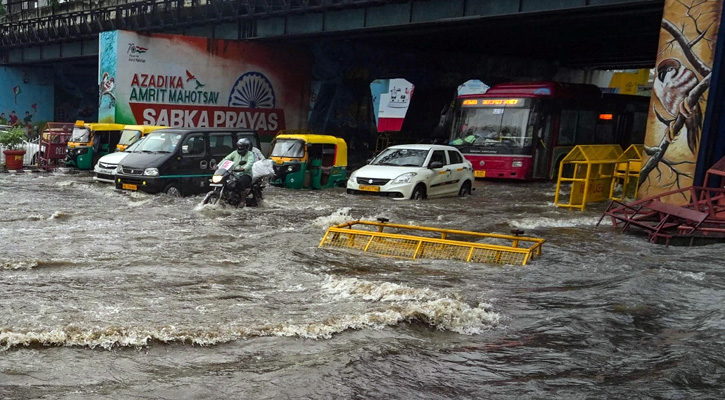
point(523, 130)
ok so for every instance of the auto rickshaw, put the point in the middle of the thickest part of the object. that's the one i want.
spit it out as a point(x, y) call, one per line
point(308, 161)
point(91, 141)
point(132, 133)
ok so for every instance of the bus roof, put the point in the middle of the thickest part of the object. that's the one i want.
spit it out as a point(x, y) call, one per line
point(539, 89)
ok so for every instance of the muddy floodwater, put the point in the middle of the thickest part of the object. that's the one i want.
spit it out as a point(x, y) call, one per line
point(110, 295)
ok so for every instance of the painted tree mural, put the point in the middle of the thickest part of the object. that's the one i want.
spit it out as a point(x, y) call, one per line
point(682, 79)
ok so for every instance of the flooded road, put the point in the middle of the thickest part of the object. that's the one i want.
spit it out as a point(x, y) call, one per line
point(109, 295)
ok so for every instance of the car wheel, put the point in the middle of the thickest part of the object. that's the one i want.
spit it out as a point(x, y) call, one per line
point(418, 192)
point(465, 189)
point(173, 189)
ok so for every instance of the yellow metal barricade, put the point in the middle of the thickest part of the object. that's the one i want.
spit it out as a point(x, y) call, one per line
point(626, 173)
point(417, 242)
point(590, 170)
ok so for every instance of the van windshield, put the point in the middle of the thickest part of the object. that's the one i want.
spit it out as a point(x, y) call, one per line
point(291, 148)
point(81, 135)
point(129, 136)
point(159, 142)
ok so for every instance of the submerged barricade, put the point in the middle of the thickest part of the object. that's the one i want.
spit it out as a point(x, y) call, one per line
point(419, 242)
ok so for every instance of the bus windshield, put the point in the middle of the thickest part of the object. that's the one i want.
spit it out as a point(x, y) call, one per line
point(129, 136)
point(291, 148)
point(80, 135)
point(497, 128)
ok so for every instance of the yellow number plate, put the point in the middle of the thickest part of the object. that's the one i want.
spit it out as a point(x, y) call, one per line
point(370, 188)
point(129, 186)
point(479, 173)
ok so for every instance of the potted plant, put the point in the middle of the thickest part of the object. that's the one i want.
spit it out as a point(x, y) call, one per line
point(11, 141)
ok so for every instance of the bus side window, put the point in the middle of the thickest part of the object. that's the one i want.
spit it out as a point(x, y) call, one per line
point(586, 127)
point(567, 131)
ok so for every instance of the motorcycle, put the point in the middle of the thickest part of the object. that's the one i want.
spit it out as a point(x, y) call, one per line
point(226, 189)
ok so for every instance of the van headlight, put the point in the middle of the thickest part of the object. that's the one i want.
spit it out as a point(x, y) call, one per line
point(405, 178)
point(517, 164)
point(216, 178)
point(119, 170)
point(151, 172)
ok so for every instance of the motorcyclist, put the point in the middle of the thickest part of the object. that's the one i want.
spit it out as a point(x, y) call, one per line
point(243, 160)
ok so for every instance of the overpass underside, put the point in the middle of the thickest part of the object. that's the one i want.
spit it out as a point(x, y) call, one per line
point(574, 33)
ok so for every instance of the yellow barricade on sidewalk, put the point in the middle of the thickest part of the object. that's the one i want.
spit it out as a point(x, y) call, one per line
point(418, 242)
point(590, 170)
point(626, 173)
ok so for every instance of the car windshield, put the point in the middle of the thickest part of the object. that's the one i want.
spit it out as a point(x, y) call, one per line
point(401, 157)
point(134, 147)
point(81, 135)
point(288, 148)
point(129, 136)
point(159, 142)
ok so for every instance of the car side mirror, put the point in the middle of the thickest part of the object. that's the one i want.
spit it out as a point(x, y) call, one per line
point(435, 165)
point(185, 149)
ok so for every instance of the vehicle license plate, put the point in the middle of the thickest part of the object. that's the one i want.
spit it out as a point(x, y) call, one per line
point(479, 174)
point(129, 186)
point(370, 188)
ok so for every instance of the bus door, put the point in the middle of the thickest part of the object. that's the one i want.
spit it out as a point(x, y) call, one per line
point(543, 144)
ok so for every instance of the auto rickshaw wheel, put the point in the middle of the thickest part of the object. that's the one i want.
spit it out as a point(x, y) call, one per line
point(173, 189)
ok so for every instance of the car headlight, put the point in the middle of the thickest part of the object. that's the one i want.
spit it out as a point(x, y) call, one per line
point(119, 169)
point(151, 172)
point(517, 164)
point(353, 175)
point(216, 178)
point(405, 178)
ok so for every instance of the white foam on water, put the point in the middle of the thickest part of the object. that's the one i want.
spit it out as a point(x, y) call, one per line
point(548, 222)
point(338, 217)
point(375, 291)
point(17, 265)
point(59, 215)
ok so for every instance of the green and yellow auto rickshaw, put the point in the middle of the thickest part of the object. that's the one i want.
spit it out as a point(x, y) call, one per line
point(133, 133)
point(308, 161)
point(89, 142)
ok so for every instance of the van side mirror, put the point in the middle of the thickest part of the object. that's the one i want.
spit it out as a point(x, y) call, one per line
point(435, 165)
point(185, 149)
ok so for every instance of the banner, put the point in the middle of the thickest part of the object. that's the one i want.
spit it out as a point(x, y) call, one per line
point(681, 84)
point(391, 98)
point(180, 81)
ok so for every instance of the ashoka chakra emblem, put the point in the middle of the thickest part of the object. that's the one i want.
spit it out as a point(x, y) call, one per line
point(252, 90)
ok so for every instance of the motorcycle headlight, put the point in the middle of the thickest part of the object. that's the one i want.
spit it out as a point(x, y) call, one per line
point(517, 164)
point(151, 172)
point(216, 178)
point(405, 178)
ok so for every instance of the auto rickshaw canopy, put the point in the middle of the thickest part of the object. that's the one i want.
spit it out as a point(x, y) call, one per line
point(340, 154)
point(98, 126)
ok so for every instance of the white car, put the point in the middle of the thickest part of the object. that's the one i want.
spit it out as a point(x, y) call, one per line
point(414, 171)
point(105, 169)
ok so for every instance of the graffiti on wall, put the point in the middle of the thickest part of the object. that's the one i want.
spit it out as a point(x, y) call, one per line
point(682, 80)
point(26, 97)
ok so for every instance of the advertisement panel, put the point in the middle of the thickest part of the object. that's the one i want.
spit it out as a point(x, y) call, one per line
point(391, 98)
point(680, 89)
point(181, 81)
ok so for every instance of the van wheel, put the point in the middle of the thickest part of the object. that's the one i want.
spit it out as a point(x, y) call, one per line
point(173, 189)
point(418, 192)
point(465, 189)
